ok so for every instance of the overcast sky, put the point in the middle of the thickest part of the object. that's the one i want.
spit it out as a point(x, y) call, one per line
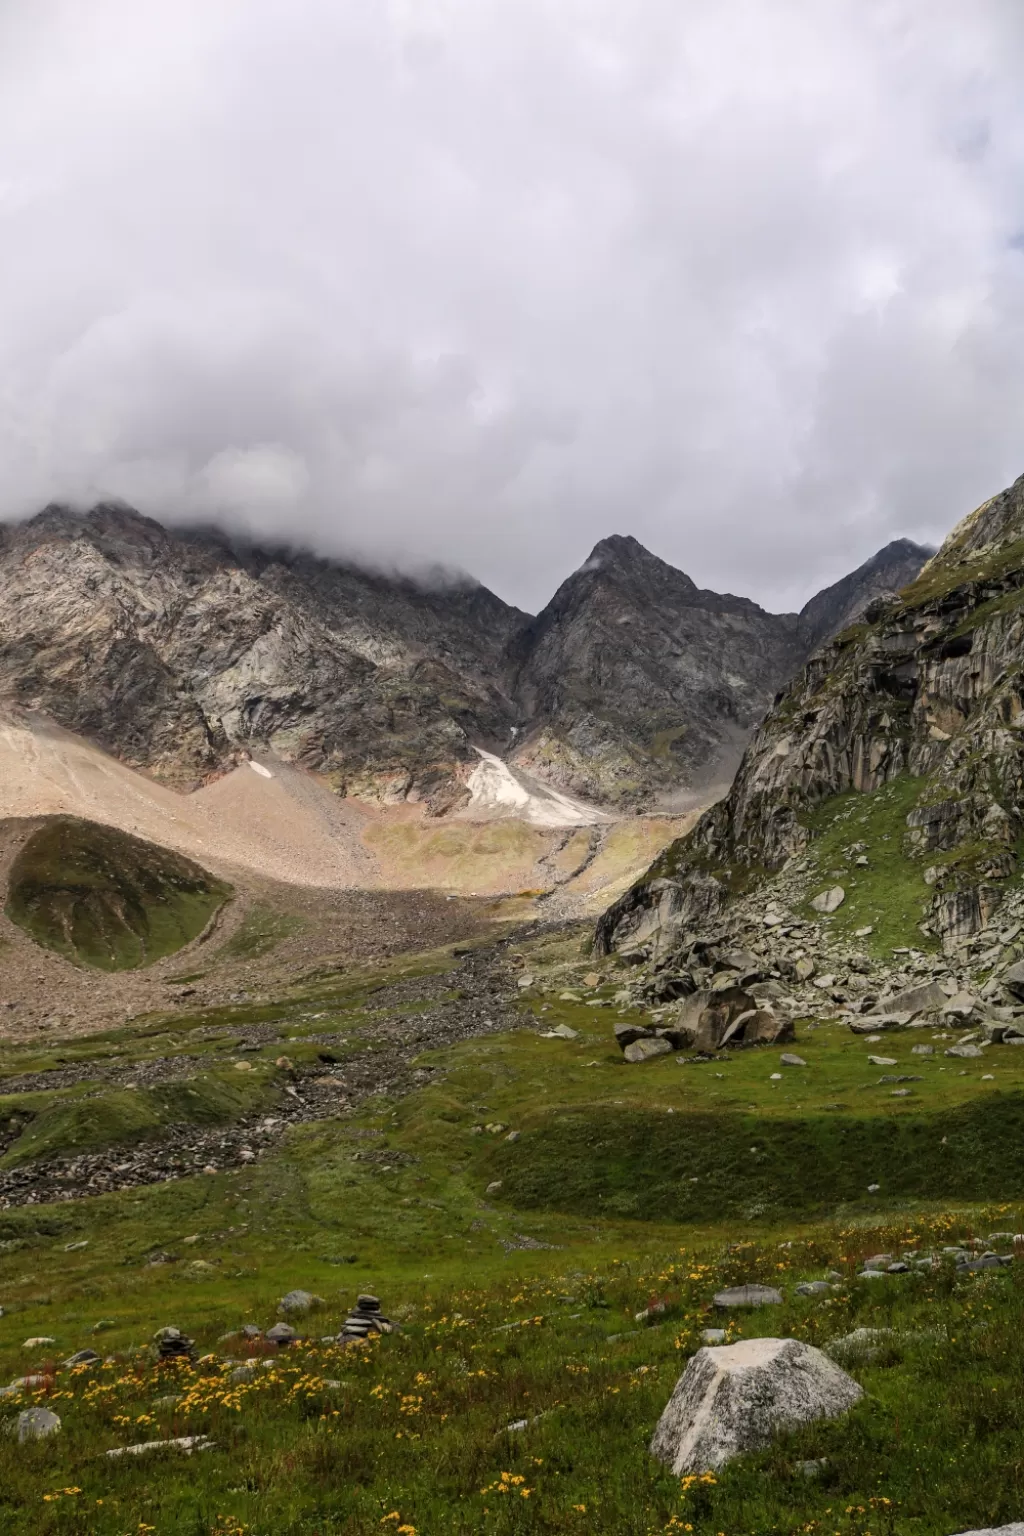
point(483, 281)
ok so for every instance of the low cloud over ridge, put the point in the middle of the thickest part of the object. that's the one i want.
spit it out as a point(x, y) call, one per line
point(481, 283)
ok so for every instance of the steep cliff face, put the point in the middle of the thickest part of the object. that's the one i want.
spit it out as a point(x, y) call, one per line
point(927, 690)
point(173, 651)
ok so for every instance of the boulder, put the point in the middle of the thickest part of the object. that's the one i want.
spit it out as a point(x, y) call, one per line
point(644, 1050)
point(748, 1296)
point(1016, 1529)
point(627, 1034)
point(1013, 979)
point(299, 1302)
point(736, 1397)
point(281, 1334)
point(35, 1424)
point(928, 998)
point(830, 900)
point(968, 1051)
point(789, 1060)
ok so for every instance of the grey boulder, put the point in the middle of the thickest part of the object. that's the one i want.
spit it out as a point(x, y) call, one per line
point(737, 1397)
point(36, 1424)
point(299, 1302)
point(1016, 1529)
point(830, 900)
point(645, 1050)
point(748, 1296)
point(928, 998)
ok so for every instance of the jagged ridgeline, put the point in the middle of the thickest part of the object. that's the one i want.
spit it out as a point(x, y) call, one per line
point(104, 898)
point(893, 765)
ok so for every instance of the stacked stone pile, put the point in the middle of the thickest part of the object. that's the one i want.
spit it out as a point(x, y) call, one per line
point(364, 1319)
point(172, 1344)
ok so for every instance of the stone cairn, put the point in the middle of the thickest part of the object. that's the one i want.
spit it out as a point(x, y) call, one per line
point(364, 1319)
point(172, 1344)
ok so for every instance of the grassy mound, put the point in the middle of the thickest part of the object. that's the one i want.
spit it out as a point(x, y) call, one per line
point(107, 899)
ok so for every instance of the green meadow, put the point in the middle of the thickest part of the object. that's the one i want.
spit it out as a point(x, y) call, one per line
point(514, 1215)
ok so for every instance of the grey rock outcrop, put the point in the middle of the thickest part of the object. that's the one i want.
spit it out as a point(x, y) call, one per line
point(737, 1397)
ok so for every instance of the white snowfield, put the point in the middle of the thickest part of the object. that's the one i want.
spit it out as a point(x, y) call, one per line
point(498, 790)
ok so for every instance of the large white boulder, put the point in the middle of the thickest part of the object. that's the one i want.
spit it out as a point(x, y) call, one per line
point(735, 1397)
point(1017, 1529)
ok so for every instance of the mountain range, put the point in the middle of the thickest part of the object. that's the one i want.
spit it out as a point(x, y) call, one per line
point(179, 651)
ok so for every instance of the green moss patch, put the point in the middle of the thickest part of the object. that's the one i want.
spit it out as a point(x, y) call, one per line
point(104, 898)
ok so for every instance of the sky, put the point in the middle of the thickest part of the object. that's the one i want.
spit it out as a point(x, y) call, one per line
point(480, 282)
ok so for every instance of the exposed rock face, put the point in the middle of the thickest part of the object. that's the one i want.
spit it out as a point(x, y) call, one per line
point(637, 681)
point(177, 650)
point(929, 685)
point(834, 609)
point(736, 1397)
point(174, 650)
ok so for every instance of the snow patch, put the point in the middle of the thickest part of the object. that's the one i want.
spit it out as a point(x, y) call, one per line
point(496, 790)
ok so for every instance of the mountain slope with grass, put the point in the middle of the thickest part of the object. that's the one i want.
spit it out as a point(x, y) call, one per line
point(922, 697)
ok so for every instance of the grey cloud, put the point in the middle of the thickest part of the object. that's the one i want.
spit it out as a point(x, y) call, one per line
point(481, 283)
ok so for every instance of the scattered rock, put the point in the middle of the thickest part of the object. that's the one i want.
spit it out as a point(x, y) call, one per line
point(830, 900)
point(39, 1342)
point(281, 1334)
point(82, 1357)
point(561, 1032)
point(883, 1061)
point(736, 1397)
point(185, 1443)
point(929, 998)
point(646, 1050)
point(968, 1052)
point(299, 1302)
point(813, 1288)
point(789, 1060)
point(748, 1296)
point(35, 1424)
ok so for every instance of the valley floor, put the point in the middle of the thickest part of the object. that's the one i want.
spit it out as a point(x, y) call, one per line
point(546, 1224)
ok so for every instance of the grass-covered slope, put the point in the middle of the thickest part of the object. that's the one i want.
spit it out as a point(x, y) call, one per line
point(107, 899)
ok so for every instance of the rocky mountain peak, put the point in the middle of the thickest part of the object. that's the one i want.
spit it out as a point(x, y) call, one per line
point(888, 571)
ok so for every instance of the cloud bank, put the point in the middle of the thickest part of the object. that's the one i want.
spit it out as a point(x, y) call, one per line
point(483, 281)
